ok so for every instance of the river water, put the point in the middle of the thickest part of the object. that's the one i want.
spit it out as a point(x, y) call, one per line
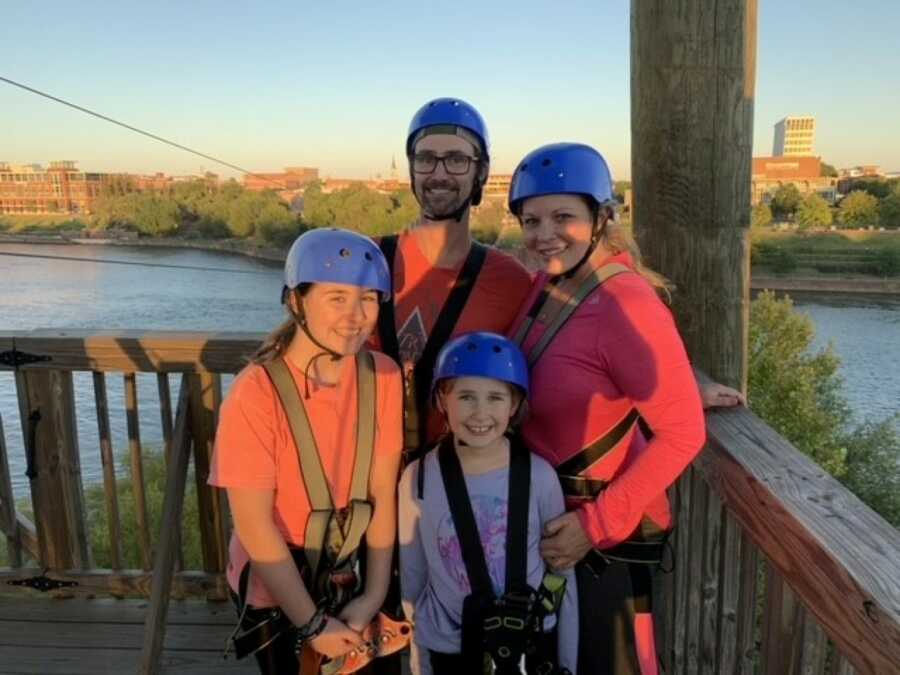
point(242, 294)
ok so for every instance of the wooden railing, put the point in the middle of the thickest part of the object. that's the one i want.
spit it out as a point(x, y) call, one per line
point(777, 567)
point(57, 540)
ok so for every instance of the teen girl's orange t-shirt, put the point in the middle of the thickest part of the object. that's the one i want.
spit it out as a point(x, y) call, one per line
point(255, 447)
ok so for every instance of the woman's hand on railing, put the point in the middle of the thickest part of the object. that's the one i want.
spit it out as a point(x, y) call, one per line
point(715, 395)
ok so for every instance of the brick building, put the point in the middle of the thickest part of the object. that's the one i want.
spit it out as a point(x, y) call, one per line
point(60, 188)
point(770, 173)
point(292, 178)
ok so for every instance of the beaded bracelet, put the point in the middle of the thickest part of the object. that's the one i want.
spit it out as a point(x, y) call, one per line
point(311, 630)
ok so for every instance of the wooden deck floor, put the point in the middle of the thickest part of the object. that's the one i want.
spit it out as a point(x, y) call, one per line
point(52, 637)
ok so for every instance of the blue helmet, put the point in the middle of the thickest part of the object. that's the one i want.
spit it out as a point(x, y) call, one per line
point(449, 112)
point(561, 168)
point(482, 354)
point(337, 256)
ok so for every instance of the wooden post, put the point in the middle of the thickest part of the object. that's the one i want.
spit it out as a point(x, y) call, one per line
point(8, 527)
point(47, 401)
point(168, 542)
point(205, 401)
point(693, 69)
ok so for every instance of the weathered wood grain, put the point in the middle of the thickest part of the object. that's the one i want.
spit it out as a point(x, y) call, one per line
point(139, 351)
point(8, 506)
point(205, 401)
point(116, 584)
point(838, 556)
point(693, 72)
point(167, 543)
point(137, 470)
point(48, 398)
point(107, 459)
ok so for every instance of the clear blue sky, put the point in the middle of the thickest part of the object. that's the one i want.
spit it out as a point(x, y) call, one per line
point(333, 85)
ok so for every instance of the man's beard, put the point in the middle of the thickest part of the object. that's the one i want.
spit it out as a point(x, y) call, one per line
point(442, 208)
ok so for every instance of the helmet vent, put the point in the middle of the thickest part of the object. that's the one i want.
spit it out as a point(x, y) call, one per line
point(472, 347)
point(345, 253)
point(367, 256)
point(547, 162)
point(497, 349)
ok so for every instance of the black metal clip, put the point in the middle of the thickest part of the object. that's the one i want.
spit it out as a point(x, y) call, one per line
point(31, 448)
point(42, 583)
point(15, 358)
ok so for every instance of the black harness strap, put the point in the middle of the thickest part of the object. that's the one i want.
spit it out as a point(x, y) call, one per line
point(443, 328)
point(482, 596)
point(387, 327)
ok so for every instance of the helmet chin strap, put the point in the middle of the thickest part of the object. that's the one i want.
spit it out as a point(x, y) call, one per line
point(325, 351)
point(595, 239)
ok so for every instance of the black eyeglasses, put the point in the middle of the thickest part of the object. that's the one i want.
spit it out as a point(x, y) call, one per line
point(455, 163)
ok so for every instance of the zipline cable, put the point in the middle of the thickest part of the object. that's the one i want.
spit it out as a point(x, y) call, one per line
point(136, 130)
point(131, 262)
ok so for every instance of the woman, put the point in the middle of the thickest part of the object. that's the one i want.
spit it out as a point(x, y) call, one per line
point(297, 434)
point(615, 407)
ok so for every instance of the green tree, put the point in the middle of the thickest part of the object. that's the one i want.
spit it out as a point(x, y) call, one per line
point(877, 188)
point(798, 392)
point(620, 187)
point(826, 169)
point(761, 215)
point(794, 390)
point(858, 209)
point(813, 212)
point(873, 454)
point(154, 467)
point(785, 201)
point(889, 210)
point(487, 221)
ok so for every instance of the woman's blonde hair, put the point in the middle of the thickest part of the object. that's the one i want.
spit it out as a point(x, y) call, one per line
point(617, 240)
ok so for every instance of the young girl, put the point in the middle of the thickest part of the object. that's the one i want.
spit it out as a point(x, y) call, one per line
point(308, 447)
point(471, 516)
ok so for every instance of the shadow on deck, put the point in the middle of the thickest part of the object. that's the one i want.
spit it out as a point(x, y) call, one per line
point(49, 636)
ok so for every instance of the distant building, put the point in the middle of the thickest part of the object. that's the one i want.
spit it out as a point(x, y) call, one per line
point(770, 173)
point(795, 137)
point(60, 188)
point(862, 171)
point(497, 187)
point(292, 178)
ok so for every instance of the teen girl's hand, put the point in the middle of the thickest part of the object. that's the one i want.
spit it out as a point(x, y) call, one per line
point(564, 542)
point(336, 640)
point(359, 612)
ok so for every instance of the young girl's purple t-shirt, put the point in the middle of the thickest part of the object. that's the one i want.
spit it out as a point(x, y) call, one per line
point(433, 575)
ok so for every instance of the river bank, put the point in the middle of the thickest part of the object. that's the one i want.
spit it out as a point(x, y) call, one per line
point(761, 279)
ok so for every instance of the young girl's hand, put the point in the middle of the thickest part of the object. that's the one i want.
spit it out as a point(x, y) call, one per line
point(336, 640)
point(358, 613)
point(564, 542)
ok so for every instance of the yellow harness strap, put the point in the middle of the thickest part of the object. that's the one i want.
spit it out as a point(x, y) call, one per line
point(323, 527)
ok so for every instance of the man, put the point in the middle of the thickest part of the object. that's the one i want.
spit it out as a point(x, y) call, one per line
point(444, 283)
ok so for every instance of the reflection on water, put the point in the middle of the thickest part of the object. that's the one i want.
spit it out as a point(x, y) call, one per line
point(865, 332)
point(37, 293)
point(40, 293)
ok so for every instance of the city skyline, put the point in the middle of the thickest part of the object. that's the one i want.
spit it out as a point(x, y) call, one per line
point(314, 87)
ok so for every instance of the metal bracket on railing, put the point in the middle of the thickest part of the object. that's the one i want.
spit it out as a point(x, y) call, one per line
point(31, 447)
point(43, 583)
point(15, 358)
